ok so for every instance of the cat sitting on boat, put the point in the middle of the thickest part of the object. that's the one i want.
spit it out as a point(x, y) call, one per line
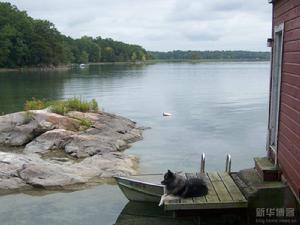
point(177, 186)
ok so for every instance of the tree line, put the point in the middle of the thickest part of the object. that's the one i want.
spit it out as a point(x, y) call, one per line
point(211, 55)
point(25, 41)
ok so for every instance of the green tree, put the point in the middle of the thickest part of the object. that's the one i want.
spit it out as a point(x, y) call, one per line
point(133, 57)
point(25, 41)
point(84, 57)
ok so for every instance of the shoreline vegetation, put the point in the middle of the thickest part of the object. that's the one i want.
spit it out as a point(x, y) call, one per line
point(215, 55)
point(152, 61)
point(64, 145)
point(62, 106)
point(33, 44)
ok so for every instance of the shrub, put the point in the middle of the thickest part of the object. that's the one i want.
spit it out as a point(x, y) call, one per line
point(94, 105)
point(58, 107)
point(76, 104)
point(63, 106)
point(85, 122)
point(34, 104)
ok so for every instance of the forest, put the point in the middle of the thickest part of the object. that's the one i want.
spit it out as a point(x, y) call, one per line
point(25, 41)
point(212, 55)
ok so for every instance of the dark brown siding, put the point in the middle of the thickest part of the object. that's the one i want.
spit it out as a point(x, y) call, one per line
point(288, 12)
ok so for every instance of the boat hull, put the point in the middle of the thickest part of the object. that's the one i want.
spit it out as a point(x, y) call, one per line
point(139, 189)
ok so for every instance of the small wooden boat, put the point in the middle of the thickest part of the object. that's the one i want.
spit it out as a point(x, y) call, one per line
point(141, 188)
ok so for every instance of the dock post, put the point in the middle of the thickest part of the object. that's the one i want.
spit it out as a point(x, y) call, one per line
point(228, 163)
point(202, 164)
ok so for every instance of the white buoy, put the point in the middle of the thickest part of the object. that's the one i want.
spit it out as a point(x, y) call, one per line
point(167, 114)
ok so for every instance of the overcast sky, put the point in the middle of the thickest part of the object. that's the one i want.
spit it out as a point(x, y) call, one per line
point(161, 24)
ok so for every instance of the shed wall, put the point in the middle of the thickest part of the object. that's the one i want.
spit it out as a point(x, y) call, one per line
point(288, 12)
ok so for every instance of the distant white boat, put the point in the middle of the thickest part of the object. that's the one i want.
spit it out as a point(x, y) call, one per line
point(82, 65)
point(167, 114)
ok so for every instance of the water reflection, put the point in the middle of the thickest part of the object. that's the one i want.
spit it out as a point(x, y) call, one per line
point(17, 87)
point(137, 213)
point(91, 82)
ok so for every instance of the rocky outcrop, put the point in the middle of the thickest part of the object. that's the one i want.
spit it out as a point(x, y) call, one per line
point(60, 151)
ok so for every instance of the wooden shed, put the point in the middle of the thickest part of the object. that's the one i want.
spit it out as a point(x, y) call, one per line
point(284, 112)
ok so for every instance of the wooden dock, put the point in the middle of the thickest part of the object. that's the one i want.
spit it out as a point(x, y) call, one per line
point(222, 193)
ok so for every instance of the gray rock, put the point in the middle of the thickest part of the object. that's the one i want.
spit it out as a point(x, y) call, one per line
point(108, 165)
point(20, 171)
point(86, 145)
point(109, 133)
point(17, 129)
point(57, 121)
point(50, 175)
point(10, 165)
point(99, 146)
point(10, 184)
point(50, 140)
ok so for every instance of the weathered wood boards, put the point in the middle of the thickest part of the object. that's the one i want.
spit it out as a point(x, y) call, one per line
point(288, 13)
point(222, 193)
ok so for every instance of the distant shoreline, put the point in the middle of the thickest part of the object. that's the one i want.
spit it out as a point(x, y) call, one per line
point(206, 60)
point(35, 68)
point(153, 61)
point(69, 66)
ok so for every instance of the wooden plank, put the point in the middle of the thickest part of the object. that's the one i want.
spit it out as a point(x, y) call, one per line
point(292, 24)
point(293, 68)
point(291, 113)
point(290, 123)
point(292, 35)
point(292, 46)
point(212, 196)
point(173, 201)
point(219, 187)
point(213, 176)
point(291, 57)
point(293, 13)
point(291, 79)
point(278, 4)
point(187, 201)
point(288, 169)
point(197, 200)
point(289, 133)
point(219, 205)
point(290, 101)
point(290, 144)
point(233, 190)
point(285, 7)
point(291, 90)
point(293, 162)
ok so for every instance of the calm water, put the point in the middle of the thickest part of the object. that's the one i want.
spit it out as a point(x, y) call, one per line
point(217, 108)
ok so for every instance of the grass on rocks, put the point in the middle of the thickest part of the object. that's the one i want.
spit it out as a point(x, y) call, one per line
point(63, 106)
point(28, 117)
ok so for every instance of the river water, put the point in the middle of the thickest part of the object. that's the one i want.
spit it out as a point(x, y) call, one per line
point(217, 108)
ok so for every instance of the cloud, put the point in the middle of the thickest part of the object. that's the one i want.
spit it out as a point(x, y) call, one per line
point(161, 25)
